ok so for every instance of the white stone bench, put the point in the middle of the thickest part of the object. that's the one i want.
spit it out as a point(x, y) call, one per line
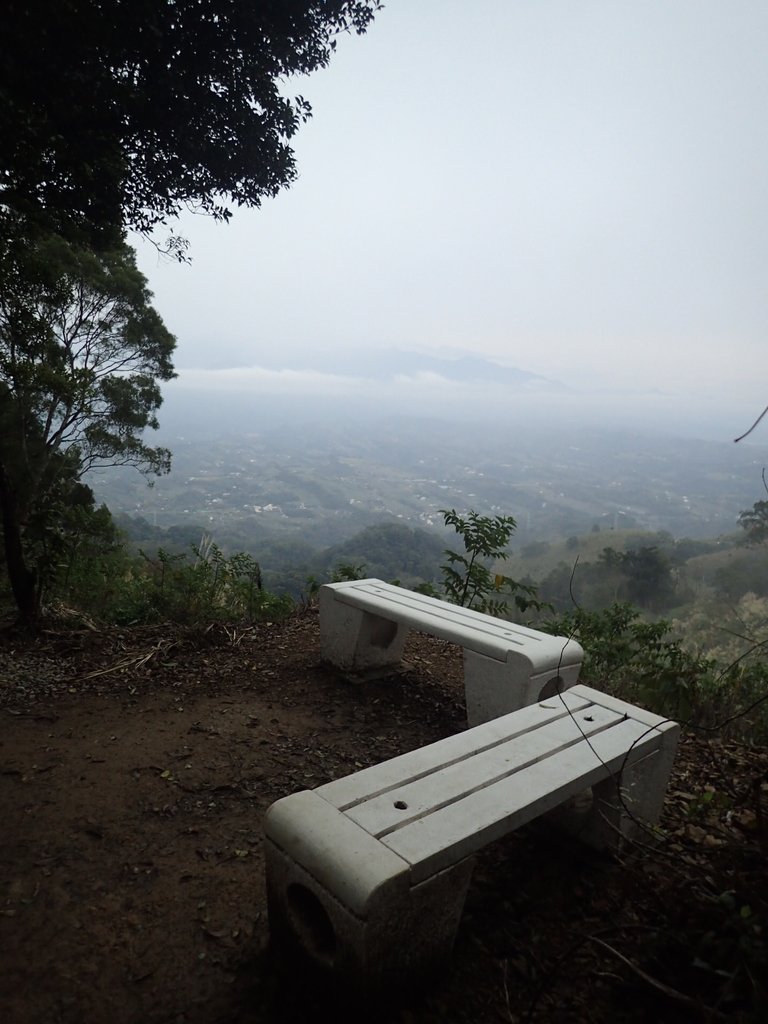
point(364, 625)
point(367, 875)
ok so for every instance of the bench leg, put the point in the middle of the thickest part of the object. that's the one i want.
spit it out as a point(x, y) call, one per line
point(490, 690)
point(341, 899)
point(356, 640)
point(625, 806)
point(495, 688)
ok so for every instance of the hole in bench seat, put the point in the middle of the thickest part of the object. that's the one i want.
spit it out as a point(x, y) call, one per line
point(401, 805)
point(311, 923)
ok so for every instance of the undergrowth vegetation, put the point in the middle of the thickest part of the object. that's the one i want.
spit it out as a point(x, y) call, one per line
point(112, 585)
point(645, 663)
point(91, 573)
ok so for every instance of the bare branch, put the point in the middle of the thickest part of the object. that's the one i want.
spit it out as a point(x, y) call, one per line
point(748, 432)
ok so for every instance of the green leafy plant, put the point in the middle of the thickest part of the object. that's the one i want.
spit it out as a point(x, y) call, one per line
point(467, 578)
point(347, 571)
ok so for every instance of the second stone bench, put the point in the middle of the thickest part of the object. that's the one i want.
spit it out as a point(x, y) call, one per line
point(364, 625)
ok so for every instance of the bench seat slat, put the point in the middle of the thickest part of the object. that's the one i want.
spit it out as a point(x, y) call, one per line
point(399, 771)
point(452, 833)
point(446, 786)
point(474, 631)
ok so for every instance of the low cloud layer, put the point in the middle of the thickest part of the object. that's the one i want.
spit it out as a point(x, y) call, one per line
point(535, 400)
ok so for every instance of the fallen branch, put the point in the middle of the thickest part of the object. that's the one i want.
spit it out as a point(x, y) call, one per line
point(707, 1012)
point(134, 660)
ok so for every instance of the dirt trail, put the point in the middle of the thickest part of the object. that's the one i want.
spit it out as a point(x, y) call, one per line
point(135, 769)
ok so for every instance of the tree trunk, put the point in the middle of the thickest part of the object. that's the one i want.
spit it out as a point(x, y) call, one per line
point(21, 577)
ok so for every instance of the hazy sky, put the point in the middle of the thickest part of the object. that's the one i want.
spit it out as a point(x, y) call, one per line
point(578, 188)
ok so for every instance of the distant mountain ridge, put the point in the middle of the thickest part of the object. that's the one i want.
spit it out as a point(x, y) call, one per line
point(400, 363)
point(389, 364)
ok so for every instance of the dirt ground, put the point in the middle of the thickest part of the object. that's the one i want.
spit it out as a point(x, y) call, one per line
point(135, 770)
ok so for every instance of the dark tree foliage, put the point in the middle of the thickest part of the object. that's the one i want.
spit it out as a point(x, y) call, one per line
point(649, 577)
point(643, 576)
point(388, 550)
point(743, 575)
point(754, 522)
point(82, 352)
point(120, 112)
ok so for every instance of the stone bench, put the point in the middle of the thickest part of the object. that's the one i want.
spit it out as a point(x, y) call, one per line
point(364, 625)
point(367, 875)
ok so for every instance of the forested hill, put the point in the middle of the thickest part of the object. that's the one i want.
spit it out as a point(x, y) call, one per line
point(710, 588)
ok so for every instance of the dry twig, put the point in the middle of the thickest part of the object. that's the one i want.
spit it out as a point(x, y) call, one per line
point(671, 993)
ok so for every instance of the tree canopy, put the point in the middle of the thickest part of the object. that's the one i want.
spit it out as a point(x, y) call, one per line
point(754, 522)
point(82, 353)
point(120, 113)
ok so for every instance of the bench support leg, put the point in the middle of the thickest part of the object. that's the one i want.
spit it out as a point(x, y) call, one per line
point(623, 807)
point(356, 640)
point(338, 897)
point(489, 689)
point(495, 688)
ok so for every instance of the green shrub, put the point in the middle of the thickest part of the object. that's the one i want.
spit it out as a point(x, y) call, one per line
point(209, 587)
point(643, 663)
point(467, 579)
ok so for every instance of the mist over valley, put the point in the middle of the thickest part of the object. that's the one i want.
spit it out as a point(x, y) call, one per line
point(251, 469)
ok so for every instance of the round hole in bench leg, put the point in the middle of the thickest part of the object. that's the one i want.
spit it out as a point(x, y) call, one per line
point(311, 923)
point(552, 687)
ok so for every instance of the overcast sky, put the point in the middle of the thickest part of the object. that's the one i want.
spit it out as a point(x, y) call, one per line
point(574, 187)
